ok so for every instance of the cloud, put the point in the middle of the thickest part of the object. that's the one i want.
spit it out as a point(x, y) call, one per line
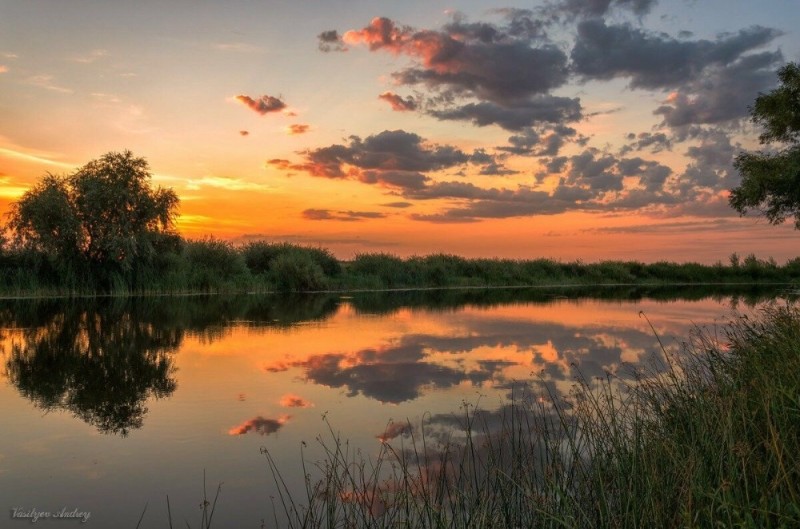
point(655, 141)
point(90, 57)
point(3, 68)
point(721, 93)
point(291, 400)
point(397, 103)
point(298, 128)
point(481, 72)
point(394, 159)
point(538, 109)
point(712, 164)
point(389, 374)
point(395, 430)
point(224, 182)
point(655, 61)
point(349, 216)
point(244, 133)
point(46, 81)
point(545, 142)
point(263, 105)
point(330, 41)
point(596, 8)
point(260, 425)
point(237, 47)
point(397, 204)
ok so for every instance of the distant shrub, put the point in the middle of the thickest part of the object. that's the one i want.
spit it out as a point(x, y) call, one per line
point(213, 264)
point(390, 271)
point(297, 272)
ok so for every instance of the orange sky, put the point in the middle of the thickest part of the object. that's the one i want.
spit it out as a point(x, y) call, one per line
point(597, 130)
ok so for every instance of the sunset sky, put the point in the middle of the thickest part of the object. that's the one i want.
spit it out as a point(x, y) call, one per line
point(597, 129)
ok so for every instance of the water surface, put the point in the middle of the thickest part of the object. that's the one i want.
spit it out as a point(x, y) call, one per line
point(112, 405)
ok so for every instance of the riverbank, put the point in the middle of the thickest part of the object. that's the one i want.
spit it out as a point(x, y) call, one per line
point(213, 266)
point(706, 437)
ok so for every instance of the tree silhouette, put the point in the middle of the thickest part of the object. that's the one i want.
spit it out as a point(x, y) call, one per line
point(771, 180)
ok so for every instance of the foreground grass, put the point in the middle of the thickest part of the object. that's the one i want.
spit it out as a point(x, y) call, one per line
point(708, 437)
point(211, 265)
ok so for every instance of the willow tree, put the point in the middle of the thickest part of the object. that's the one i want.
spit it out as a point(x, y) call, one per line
point(771, 179)
point(106, 214)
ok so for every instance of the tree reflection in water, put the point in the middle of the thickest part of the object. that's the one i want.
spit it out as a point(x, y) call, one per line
point(103, 359)
point(99, 362)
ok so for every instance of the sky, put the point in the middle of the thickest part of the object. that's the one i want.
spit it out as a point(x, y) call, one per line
point(564, 129)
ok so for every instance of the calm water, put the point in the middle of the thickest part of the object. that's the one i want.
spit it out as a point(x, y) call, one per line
point(112, 405)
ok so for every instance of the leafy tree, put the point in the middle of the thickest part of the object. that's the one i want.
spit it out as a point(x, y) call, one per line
point(45, 219)
point(106, 214)
point(771, 180)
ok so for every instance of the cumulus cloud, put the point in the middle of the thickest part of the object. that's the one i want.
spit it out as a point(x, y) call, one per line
point(655, 141)
point(506, 69)
point(330, 41)
point(655, 61)
point(398, 103)
point(348, 216)
point(596, 8)
point(392, 158)
point(263, 105)
point(536, 110)
point(260, 425)
point(711, 165)
point(721, 93)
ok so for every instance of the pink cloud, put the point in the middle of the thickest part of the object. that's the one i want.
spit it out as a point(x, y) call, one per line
point(295, 401)
point(397, 103)
point(260, 425)
point(263, 105)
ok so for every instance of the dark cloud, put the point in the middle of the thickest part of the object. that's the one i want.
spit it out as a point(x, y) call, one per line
point(653, 60)
point(594, 169)
point(547, 142)
point(536, 110)
point(712, 164)
point(330, 41)
point(722, 93)
point(260, 425)
point(397, 204)
point(244, 133)
point(652, 175)
point(655, 141)
point(398, 103)
point(504, 71)
point(348, 216)
point(263, 105)
point(393, 374)
point(596, 8)
point(396, 159)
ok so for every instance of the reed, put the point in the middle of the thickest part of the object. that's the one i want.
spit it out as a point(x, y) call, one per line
point(707, 436)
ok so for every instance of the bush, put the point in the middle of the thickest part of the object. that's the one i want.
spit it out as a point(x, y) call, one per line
point(214, 265)
point(297, 272)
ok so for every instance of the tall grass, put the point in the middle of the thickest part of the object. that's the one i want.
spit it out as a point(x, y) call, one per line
point(706, 437)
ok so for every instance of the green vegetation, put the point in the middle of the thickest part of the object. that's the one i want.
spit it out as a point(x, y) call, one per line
point(709, 437)
point(771, 180)
point(215, 266)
